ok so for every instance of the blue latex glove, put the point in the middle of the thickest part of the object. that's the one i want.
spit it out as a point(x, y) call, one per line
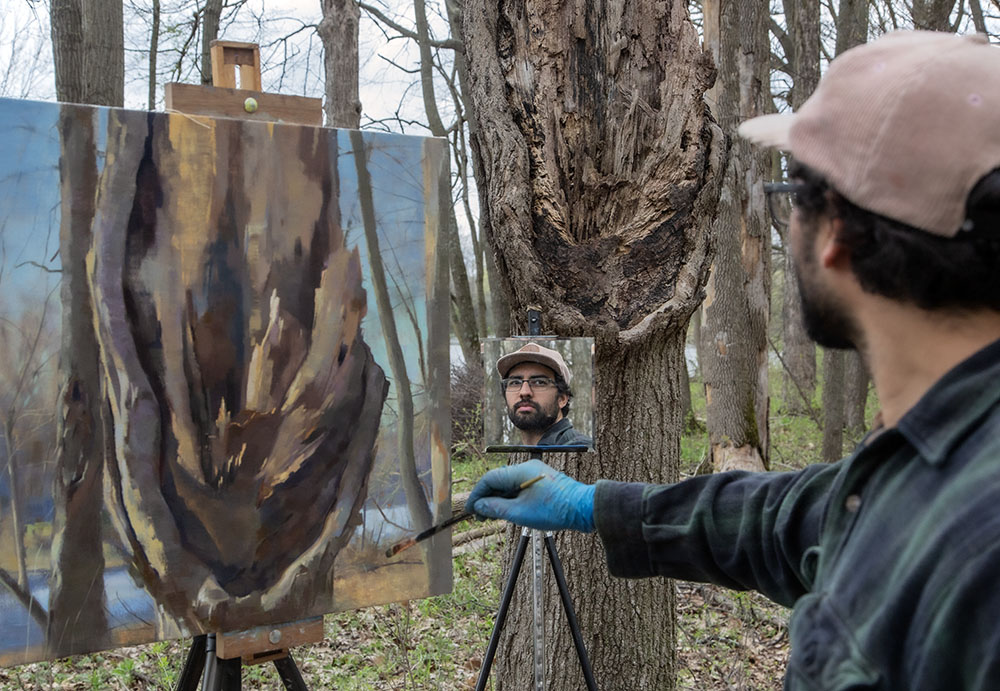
point(556, 502)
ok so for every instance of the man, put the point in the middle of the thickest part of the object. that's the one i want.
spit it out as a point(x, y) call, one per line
point(535, 384)
point(891, 557)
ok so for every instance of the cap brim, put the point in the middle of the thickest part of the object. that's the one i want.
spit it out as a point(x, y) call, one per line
point(771, 131)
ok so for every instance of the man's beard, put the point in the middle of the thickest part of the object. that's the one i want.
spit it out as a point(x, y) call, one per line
point(824, 320)
point(537, 420)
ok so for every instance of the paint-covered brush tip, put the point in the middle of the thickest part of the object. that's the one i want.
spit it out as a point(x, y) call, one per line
point(399, 547)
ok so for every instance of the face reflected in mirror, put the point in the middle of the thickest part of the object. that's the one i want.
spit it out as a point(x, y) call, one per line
point(534, 402)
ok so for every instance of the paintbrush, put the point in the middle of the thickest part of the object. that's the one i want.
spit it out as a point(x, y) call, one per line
point(409, 542)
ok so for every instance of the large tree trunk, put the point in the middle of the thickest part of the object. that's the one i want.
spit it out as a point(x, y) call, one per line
point(104, 33)
point(88, 48)
point(799, 351)
point(338, 30)
point(737, 303)
point(601, 168)
point(68, 50)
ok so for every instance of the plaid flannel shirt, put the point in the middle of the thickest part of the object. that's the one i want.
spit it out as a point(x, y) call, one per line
point(889, 558)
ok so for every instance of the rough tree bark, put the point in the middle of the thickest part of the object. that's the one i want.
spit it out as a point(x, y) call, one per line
point(242, 448)
point(338, 31)
point(209, 32)
point(737, 300)
point(798, 350)
point(601, 168)
point(933, 15)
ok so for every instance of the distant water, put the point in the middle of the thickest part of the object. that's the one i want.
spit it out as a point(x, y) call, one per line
point(127, 606)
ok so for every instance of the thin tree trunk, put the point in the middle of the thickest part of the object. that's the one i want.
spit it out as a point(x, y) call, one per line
point(737, 302)
point(209, 32)
point(338, 31)
point(833, 404)
point(976, 10)
point(466, 329)
point(855, 396)
point(154, 42)
point(416, 499)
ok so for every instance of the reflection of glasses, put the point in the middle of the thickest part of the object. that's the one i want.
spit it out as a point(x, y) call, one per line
point(536, 383)
point(781, 198)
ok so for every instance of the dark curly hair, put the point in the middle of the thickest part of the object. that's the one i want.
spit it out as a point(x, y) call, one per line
point(903, 263)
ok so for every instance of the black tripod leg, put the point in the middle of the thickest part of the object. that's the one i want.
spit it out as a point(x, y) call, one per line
point(508, 594)
point(230, 674)
point(210, 680)
point(193, 665)
point(289, 674)
point(574, 626)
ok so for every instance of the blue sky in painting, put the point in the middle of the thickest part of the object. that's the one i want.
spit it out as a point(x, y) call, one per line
point(29, 200)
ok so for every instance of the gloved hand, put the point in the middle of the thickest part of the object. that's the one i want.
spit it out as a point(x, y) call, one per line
point(556, 502)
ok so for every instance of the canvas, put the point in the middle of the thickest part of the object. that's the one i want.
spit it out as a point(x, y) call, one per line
point(224, 365)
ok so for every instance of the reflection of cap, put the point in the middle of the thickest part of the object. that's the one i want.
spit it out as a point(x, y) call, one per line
point(904, 126)
point(533, 352)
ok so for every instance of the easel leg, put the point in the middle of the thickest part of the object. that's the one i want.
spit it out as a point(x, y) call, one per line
point(574, 625)
point(289, 674)
point(210, 681)
point(193, 665)
point(508, 595)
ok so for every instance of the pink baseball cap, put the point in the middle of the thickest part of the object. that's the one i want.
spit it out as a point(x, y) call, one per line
point(532, 352)
point(904, 126)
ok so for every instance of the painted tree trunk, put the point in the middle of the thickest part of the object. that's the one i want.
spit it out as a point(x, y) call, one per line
point(241, 448)
point(737, 302)
point(600, 165)
point(76, 588)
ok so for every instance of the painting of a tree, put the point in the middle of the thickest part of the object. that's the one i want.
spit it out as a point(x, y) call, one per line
point(223, 392)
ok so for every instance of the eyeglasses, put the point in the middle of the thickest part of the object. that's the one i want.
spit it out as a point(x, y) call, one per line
point(536, 383)
point(782, 197)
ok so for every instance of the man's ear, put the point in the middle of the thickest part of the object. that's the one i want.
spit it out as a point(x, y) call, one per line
point(562, 400)
point(833, 253)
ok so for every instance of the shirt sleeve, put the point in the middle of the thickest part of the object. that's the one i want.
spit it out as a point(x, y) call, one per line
point(740, 530)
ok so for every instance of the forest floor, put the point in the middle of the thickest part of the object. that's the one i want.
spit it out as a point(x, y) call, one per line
point(726, 640)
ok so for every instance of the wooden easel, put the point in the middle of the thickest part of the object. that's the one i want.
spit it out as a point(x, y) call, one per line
point(216, 659)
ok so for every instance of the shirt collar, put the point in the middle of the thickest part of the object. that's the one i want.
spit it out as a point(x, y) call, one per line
point(554, 430)
point(959, 399)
